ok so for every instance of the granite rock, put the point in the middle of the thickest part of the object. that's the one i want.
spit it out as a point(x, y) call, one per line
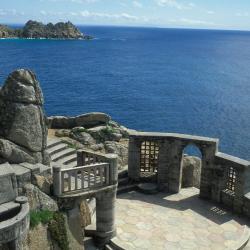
point(191, 171)
point(23, 129)
point(38, 200)
point(86, 120)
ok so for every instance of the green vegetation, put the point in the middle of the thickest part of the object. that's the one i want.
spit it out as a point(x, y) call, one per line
point(43, 217)
point(70, 145)
point(56, 226)
point(80, 130)
point(108, 130)
point(58, 230)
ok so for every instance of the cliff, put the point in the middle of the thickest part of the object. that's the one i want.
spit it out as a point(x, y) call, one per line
point(5, 31)
point(34, 29)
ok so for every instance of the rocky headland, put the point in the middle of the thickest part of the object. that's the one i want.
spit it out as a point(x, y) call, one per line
point(38, 30)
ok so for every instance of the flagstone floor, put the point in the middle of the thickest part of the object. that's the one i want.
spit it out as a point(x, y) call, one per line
point(180, 221)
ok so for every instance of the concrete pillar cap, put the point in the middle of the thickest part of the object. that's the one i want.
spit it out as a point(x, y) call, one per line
point(21, 199)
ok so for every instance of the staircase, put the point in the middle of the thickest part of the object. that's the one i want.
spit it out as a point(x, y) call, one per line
point(61, 153)
point(124, 184)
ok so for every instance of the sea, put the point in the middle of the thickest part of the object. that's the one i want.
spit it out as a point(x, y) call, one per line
point(149, 79)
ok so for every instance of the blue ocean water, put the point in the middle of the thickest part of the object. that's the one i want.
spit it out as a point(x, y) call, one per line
point(173, 80)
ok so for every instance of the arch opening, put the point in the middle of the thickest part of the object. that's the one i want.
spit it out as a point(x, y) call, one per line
point(191, 166)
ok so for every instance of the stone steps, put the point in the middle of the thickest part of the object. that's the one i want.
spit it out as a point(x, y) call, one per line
point(124, 184)
point(65, 152)
point(53, 142)
point(61, 153)
point(123, 173)
point(123, 181)
point(148, 188)
point(57, 148)
point(125, 189)
point(68, 159)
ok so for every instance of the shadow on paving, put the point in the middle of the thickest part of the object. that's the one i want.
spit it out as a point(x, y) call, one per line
point(188, 200)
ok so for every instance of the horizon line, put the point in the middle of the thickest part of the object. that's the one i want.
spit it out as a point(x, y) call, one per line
point(140, 26)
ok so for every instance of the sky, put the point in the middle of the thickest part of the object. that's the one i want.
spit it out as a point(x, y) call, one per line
point(201, 14)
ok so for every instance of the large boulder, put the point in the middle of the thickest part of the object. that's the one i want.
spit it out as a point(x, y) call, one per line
point(38, 200)
point(121, 149)
point(23, 127)
point(85, 120)
point(191, 172)
point(80, 135)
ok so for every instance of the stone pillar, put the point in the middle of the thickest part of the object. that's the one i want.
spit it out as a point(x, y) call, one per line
point(57, 185)
point(134, 159)
point(207, 178)
point(174, 160)
point(239, 192)
point(112, 159)
point(105, 217)
point(219, 183)
point(163, 166)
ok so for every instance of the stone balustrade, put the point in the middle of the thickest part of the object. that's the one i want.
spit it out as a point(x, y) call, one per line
point(86, 157)
point(80, 179)
point(95, 176)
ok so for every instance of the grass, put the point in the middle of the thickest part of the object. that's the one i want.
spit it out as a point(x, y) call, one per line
point(56, 226)
point(43, 217)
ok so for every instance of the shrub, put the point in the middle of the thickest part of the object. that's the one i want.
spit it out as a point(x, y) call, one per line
point(43, 217)
point(58, 230)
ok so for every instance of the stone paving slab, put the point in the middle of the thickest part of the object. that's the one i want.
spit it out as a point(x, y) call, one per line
point(180, 221)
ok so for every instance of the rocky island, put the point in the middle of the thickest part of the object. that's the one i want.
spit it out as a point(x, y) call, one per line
point(38, 30)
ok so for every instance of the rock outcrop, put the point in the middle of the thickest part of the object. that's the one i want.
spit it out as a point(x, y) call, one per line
point(85, 120)
point(23, 130)
point(191, 172)
point(6, 32)
point(34, 29)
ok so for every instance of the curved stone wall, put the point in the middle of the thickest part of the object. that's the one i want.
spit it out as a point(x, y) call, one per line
point(224, 178)
point(14, 230)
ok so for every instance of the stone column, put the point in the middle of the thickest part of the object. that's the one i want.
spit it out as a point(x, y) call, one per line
point(163, 166)
point(239, 191)
point(208, 154)
point(134, 159)
point(57, 185)
point(105, 217)
point(112, 159)
point(174, 159)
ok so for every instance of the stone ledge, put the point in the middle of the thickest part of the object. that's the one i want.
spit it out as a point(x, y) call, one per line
point(87, 194)
point(232, 159)
point(174, 136)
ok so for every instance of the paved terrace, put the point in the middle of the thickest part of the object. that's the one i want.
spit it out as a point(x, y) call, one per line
point(179, 221)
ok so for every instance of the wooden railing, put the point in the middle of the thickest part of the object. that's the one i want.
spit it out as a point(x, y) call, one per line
point(80, 179)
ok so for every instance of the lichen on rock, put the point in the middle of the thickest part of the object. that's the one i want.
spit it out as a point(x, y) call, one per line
point(23, 131)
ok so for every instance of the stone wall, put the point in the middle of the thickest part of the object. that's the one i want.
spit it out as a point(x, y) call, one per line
point(224, 178)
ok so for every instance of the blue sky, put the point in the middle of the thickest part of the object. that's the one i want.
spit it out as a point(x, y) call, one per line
point(211, 14)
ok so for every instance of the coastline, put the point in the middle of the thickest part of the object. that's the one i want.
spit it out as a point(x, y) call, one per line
point(43, 38)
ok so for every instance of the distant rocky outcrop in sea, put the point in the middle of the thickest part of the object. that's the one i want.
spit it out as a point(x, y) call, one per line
point(36, 30)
